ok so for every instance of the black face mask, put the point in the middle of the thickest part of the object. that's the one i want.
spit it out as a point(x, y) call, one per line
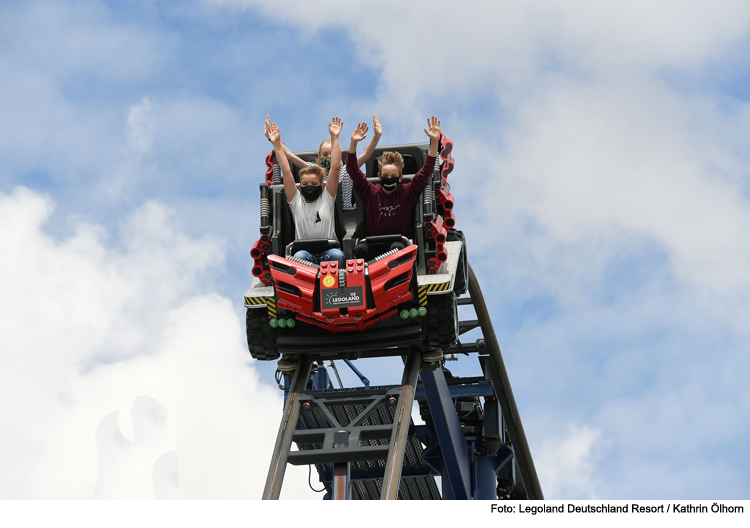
point(311, 192)
point(389, 184)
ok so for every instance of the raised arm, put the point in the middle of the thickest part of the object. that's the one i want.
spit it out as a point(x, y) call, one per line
point(358, 135)
point(418, 183)
point(378, 131)
point(296, 160)
point(334, 127)
point(361, 186)
point(434, 134)
point(290, 188)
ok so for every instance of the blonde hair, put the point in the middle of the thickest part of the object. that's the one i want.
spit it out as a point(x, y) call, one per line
point(328, 141)
point(320, 147)
point(391, 158)
point(317, 171)
point(323, 143)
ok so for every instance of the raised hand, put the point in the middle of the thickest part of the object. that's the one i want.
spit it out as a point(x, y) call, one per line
point(360, 132)
point(434, 131)
point(274, 134)
point(268, 124)
point(376, 126)
point(335, 126)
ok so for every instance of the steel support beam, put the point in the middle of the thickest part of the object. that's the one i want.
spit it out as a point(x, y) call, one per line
point(341, 479)
point(361, 376)
point(320, 378)
point(456, 456)
point(289, 421)
point(485, 479)
point(504, 392)
point(482, 388)
point(356, 474)
point(402, 419)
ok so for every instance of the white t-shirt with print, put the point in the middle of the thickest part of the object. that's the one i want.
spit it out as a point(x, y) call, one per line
point(313, 220)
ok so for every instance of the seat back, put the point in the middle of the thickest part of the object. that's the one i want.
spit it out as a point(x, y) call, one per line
point(283, 221)
point(414, 156)
point(349, 223)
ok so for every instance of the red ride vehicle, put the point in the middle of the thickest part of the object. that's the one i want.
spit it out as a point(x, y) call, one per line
point(382, 307)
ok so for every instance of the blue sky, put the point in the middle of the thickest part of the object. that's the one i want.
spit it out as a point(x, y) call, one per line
point(602, 183)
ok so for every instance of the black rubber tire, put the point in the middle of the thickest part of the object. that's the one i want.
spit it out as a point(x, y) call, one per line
point(261, 338)
point(442, 320)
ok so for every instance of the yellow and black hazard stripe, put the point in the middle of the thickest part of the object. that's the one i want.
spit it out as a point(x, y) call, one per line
point(422, 296)
point(260, 301)
point(255, 301)
point(443, 286)
point(271, 302)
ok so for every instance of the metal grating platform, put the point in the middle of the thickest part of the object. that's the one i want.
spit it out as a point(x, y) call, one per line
point(417, 480)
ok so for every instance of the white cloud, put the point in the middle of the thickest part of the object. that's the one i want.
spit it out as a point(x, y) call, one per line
point(140, 127)
point(567, 464)
point(505, 42)
point(60, 63)
point(591, 174)
point(88, 329)
point(43, 35)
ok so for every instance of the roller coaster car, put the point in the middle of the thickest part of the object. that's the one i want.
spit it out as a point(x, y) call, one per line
point(402, 298)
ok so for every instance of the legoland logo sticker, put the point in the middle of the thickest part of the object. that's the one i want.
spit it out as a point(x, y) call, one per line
point(343, 297)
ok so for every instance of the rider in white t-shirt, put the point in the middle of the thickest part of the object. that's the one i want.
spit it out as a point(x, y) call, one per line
point(312, 205)
point(324, 160)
